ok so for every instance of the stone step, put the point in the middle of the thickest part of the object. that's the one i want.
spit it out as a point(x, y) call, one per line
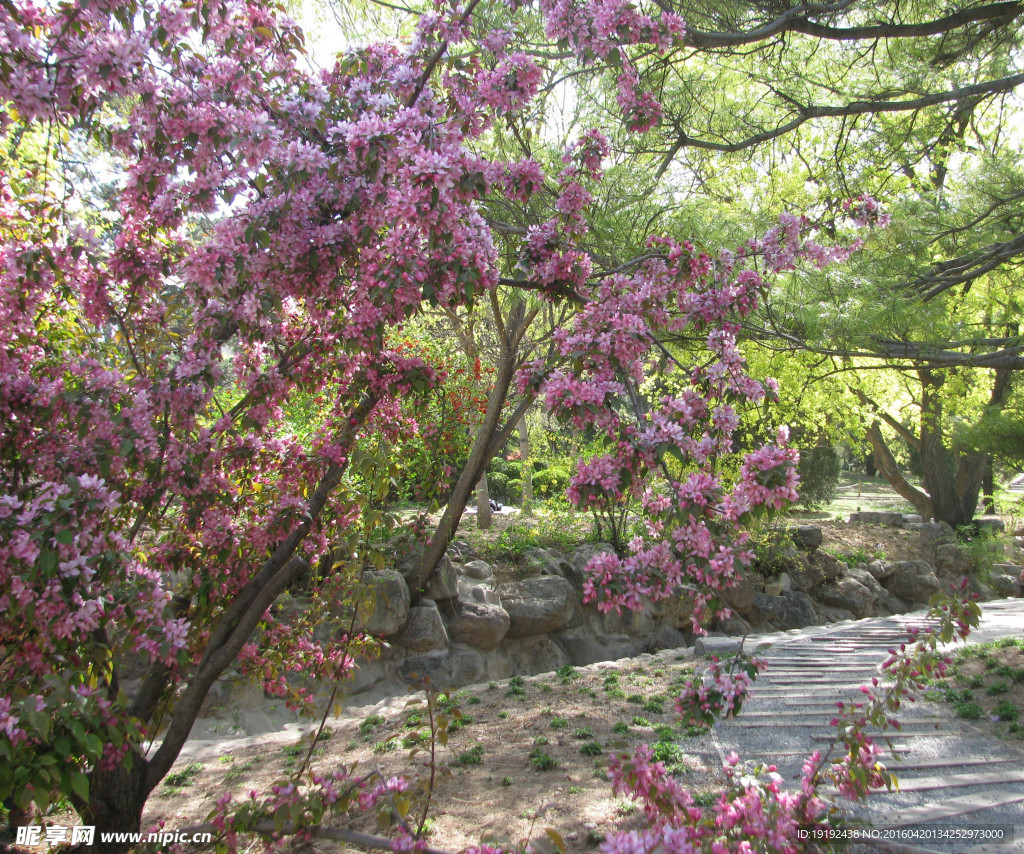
point(955, 781)
point(812, 720)
point(950, 808)
point(955, 762)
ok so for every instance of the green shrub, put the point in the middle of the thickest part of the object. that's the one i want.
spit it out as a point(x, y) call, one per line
point(550, 482)
point(591, 748)
point(473, 756)
point(583, 732)
point(540, 760)
point(819, 470)
point(1006, 710)
point(983, 548)
point(184, 777)
point(497, 485)
point(369, 723)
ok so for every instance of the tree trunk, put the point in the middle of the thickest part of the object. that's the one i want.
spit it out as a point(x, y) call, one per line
point(869, 465)
point(116, 801)
point(988, 488)
point(524, 461)
point(488, 440)
point(886, 464)
point(483, 504)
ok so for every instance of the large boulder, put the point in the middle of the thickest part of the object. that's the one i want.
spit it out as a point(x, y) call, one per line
point(580, 557)
point(544, 562)
point(913, 581)
point(989, 525)
point(848, 595)
point(444, 671)
point(584, 647)
point(424, 630)
point(792, 610)
point(806, 537)
point(478, 624)
point(677, 609)
point(878, 517)
point(950, 559)
point(881, 569)
point(443, 584)
point(524, 656)
point(934, 534)
point(478, 569)
point(830, 567)
point(537, 606)
point(1005, 585)
point(384, 608)
point(804, 575)
point(740, 598)
point(863, 576)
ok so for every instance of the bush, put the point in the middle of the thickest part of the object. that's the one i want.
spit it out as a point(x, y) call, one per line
point(550, 482)
point(983, 548)
point(819, 470)
point(497, 485)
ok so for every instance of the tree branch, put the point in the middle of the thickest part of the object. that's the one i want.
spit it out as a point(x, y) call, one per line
point(854, 108)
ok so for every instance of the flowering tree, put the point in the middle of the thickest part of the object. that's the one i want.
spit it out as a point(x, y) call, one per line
point(266, 227)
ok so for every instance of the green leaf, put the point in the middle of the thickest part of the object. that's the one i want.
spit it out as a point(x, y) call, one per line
point(80, 786)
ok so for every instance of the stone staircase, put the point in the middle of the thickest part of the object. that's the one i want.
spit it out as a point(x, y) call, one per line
point(958, 790)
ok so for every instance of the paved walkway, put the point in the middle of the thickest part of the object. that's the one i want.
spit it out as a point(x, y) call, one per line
point(955, 785)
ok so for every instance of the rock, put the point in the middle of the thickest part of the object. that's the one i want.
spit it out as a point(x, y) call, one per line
point(580, 558)
point(806, 537)
point(365, 675)
point(667, 638)
point(862, 576)
point(783, 584)
point(829, 614)
point(479, 593)
point(712, 645)
point(788, 611)
point(444, 671)
point(912, 519)
point(849, 595)
point(537, 606)
point(584, 647)
point(936, 533)
point(1005, 585)
point(804, 576)
point(913, 581)
point(478, 569)
point(545, 562)
point(677, 609)
point(523, 657)
point(424, 630)
point(734, 625)
point(831, 567)
point(878, 517)
point(989, 524)
point(739, 598)
point(443, 584)
point(950, 559)
point(479, 624)
point(881, 569)
point(893, 604)
point(385, 607)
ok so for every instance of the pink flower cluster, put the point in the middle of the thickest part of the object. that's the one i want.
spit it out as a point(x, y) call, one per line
point(719, 693)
